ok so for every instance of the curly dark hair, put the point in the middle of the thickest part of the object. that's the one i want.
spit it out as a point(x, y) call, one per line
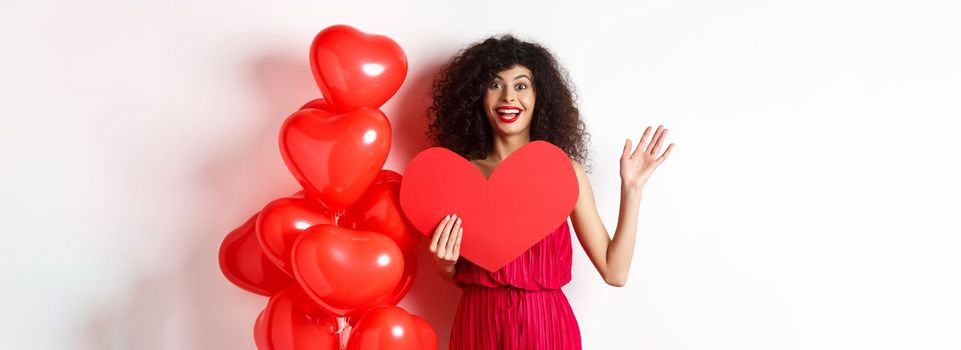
point(456, 117)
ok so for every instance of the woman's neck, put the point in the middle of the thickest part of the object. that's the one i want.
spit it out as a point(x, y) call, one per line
point(507, 144)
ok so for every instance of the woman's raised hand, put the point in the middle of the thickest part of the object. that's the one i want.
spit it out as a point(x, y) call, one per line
point(445, 244)
point(637, 166)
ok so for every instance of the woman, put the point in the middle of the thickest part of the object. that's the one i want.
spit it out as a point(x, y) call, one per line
point(489, 100)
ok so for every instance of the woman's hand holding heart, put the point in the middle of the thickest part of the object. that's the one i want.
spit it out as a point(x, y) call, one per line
point(445, 245)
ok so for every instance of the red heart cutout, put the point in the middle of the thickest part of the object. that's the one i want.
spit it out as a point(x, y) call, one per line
point(343, 269)
point(335, 156)
point(354, 69)
point(527, 196)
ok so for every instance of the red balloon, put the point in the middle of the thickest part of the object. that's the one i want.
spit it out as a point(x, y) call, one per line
point(406, 281)
point(378, 210)
point(282, 221)
point(343, 269)
point(428, 338)
point(391, 327)
point(319, 103)
point(291, 321)
point(394, 296)
point(354, 69)
point(335, 157)
point(260, 332)
point(244, 263)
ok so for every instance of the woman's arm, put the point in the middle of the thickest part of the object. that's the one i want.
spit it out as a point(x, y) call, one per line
point(446, 271)
point(612, 257)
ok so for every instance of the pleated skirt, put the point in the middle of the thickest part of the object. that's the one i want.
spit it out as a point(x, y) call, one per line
point(507, 318)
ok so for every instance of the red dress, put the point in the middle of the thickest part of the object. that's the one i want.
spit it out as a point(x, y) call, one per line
point(520, 306)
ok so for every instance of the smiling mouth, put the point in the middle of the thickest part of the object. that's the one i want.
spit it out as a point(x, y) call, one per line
point(508, 115)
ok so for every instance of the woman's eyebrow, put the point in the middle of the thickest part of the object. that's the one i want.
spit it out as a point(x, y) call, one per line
point(515, 78)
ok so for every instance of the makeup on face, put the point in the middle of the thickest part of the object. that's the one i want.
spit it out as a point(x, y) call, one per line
point(510, 96)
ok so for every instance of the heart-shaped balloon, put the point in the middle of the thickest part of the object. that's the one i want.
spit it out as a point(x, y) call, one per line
point(344, 269)
point(291, 321)
point(335, 156)
point(394, 296)
point(527, 196)
point(318, 103)
point(282, 221)
point(378, 210)
point(354, 69)
point(391, 327)
point(244, 263)
point(426, 333)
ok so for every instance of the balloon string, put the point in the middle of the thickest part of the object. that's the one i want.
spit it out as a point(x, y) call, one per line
point(342, 324)
point(337, 215)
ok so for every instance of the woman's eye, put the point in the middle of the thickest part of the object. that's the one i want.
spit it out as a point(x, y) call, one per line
point(521, 86)
point(495, 85)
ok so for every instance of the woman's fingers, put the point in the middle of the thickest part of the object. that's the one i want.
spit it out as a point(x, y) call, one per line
point(445, 243)
point(641, 142)
point(452, 239)
point(434, 240)
point(626, 153)
point(460, 234)
point(657, 146)
point(657, 134)
point(666, 152)
point(445, 236)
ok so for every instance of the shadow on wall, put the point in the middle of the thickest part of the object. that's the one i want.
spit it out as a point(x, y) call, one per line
point(189, 304)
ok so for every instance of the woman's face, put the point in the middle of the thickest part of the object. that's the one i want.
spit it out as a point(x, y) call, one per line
point(509, 101)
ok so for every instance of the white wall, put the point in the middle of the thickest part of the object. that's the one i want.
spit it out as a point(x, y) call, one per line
point(811, 201)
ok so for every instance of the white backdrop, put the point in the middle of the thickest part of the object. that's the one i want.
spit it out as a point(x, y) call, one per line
point(811, 201)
